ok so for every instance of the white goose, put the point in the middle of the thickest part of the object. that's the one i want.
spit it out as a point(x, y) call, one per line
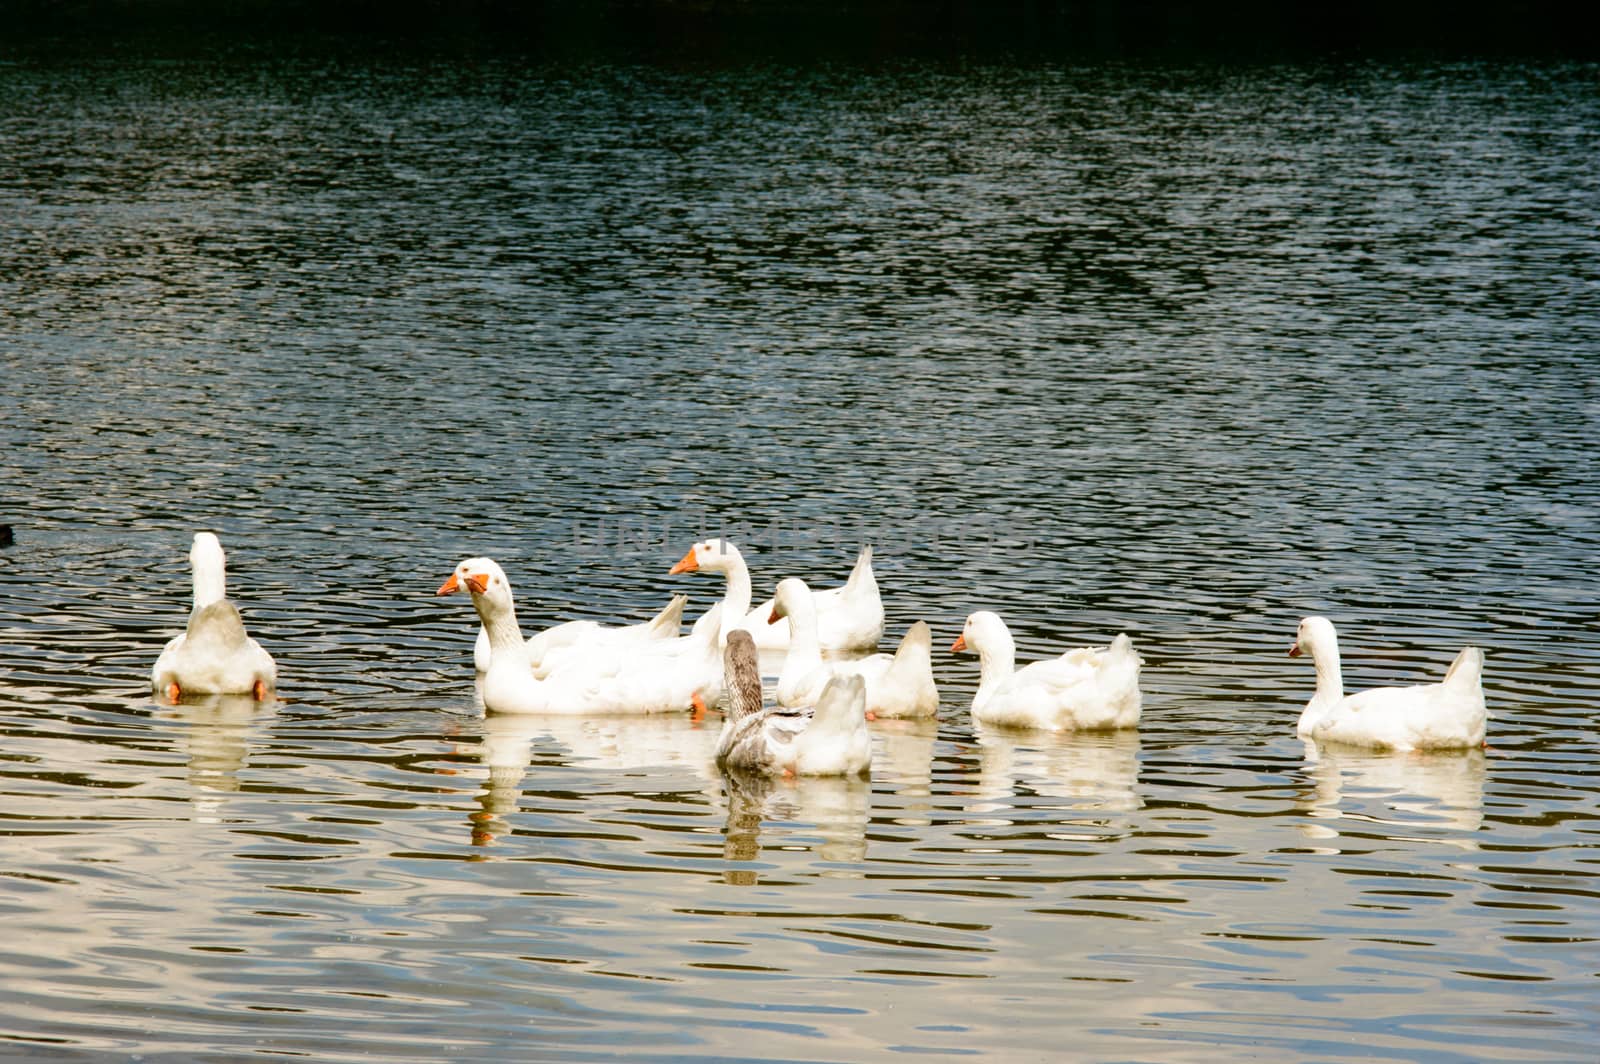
point(1083, 689)
point(897, 685)
point(214, 655)
point(830, 740)
point(1439, 716)
point(664, 625)
point(646, 682)
point(848, 617)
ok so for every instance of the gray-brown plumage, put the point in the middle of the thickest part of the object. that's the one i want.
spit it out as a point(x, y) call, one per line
point(750, 730)
point(831, 740)
point(741, 675)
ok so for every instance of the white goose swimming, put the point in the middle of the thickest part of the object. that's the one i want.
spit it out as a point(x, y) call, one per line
point(1083, 689)
point(848, 617)
point(897, 685)
point(1439, 716)
point(214, 655)
point(830, 740)
point(637, 680)
point(589, 634)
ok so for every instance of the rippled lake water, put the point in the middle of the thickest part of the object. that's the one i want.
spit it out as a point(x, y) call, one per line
point(1186, 352)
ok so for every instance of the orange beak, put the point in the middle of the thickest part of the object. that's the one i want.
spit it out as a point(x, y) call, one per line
point(775, 616)
point(449, 587)
point(960, 644)
point(1294, 649)
point(477, 582)
point(686, 564)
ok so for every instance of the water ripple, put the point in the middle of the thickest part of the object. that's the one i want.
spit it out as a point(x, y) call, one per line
point(1186, 352)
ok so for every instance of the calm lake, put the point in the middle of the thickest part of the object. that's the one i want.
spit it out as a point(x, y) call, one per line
point(1186, 351)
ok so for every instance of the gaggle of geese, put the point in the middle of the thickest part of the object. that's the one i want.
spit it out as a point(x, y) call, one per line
point(819, 722)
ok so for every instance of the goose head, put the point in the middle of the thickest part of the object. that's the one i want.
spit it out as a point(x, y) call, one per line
point(483, 577)
point(491, 597)
point(983, 629)
point(710, 555)
point(792, 597)
point(1314, 634)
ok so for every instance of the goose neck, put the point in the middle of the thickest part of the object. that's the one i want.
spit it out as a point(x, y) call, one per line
point(997, 661)
point(997, 656)
point(500, 621)
point(1330, 679)
point(742, 681)
point(805, 647)
point(210, 584)
point(736, 599)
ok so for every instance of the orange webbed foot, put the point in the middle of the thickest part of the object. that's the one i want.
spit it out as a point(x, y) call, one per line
point(172, 691)
point(699, 704)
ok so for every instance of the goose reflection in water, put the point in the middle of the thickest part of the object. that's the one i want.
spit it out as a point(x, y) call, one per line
point(611, 743)
point(1420, 789)
point(835, 808)
point(216, 743)
point(1095, 770)
point(902, 765)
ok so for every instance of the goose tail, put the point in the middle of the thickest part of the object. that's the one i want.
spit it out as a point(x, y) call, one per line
point(708, 629)
point(666, 623)
point(913, 659)
point(861, 578)
point(842, 706)
point(1466, 672)
point(1121, 650)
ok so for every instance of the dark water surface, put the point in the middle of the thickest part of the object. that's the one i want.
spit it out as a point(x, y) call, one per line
point(1181, 351)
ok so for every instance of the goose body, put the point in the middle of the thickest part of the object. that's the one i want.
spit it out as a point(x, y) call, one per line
point(897, 685)
point(610, 657)
point(589, 635)
point(849, 617)
point(214, 654)
point(830, 740)
point(640, 680)
point(1088, 688)
point(1447, 715)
